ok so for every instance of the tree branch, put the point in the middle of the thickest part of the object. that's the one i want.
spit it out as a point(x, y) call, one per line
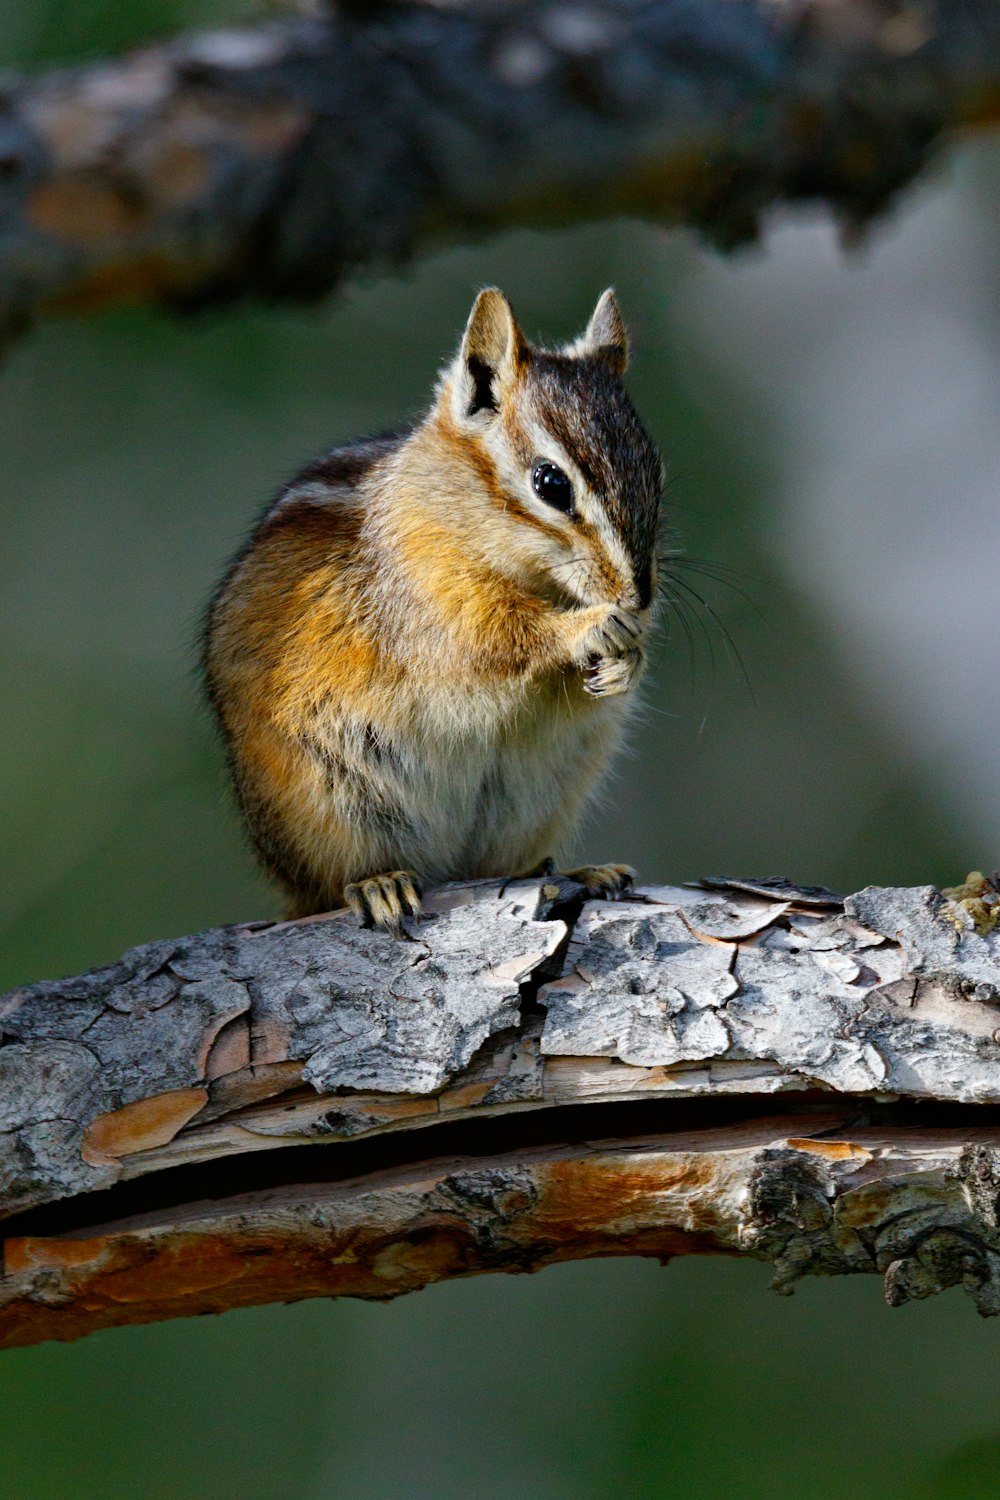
point(262, 1113)
point(275, 161)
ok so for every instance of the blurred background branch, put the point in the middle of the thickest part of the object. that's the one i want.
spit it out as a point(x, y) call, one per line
point(276, 160)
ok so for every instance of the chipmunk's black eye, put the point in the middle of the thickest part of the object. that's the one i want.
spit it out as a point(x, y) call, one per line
point(553, 486)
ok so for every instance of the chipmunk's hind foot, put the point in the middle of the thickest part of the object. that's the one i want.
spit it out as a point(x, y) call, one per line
point(609, 881)
point(382, 901)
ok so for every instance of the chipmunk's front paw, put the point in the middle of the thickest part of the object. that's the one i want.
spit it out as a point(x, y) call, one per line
point(383, 901)
point(609, 881)
point(612, 653)
point(610, 675)
point(616, 633)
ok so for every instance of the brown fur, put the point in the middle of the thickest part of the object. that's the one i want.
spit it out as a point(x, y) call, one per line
point(417, 664)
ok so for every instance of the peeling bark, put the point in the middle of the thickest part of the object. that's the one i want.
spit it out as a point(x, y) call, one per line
point(276, 160)
point(261, 1113)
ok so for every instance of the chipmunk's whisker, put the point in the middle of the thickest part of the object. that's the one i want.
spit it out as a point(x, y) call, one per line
point(697, 606)
point(727, 576)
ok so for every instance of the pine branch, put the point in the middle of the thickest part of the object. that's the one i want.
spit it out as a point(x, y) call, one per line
point(263, 1113)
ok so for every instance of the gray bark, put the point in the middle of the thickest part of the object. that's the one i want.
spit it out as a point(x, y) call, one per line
point(528, 1076)
point(275, 161)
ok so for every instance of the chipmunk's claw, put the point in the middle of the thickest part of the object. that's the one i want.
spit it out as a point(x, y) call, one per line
point(608, 881)
point(382, 901)
point(607, 676)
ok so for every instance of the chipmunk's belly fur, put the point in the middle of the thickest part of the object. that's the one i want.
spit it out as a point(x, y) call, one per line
point(455, 805)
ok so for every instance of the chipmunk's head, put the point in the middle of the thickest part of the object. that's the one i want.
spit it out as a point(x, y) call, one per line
point(562, 461)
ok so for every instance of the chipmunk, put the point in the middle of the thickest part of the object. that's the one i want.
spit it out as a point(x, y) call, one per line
point(422, 658)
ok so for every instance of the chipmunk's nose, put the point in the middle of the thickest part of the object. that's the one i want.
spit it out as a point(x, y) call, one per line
point(643, 591)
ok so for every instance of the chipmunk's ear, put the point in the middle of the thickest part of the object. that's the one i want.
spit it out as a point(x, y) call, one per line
point(493, 348)
point(605, 336)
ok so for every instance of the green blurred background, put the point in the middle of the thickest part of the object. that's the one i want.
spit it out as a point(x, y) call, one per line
point(830, 432)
